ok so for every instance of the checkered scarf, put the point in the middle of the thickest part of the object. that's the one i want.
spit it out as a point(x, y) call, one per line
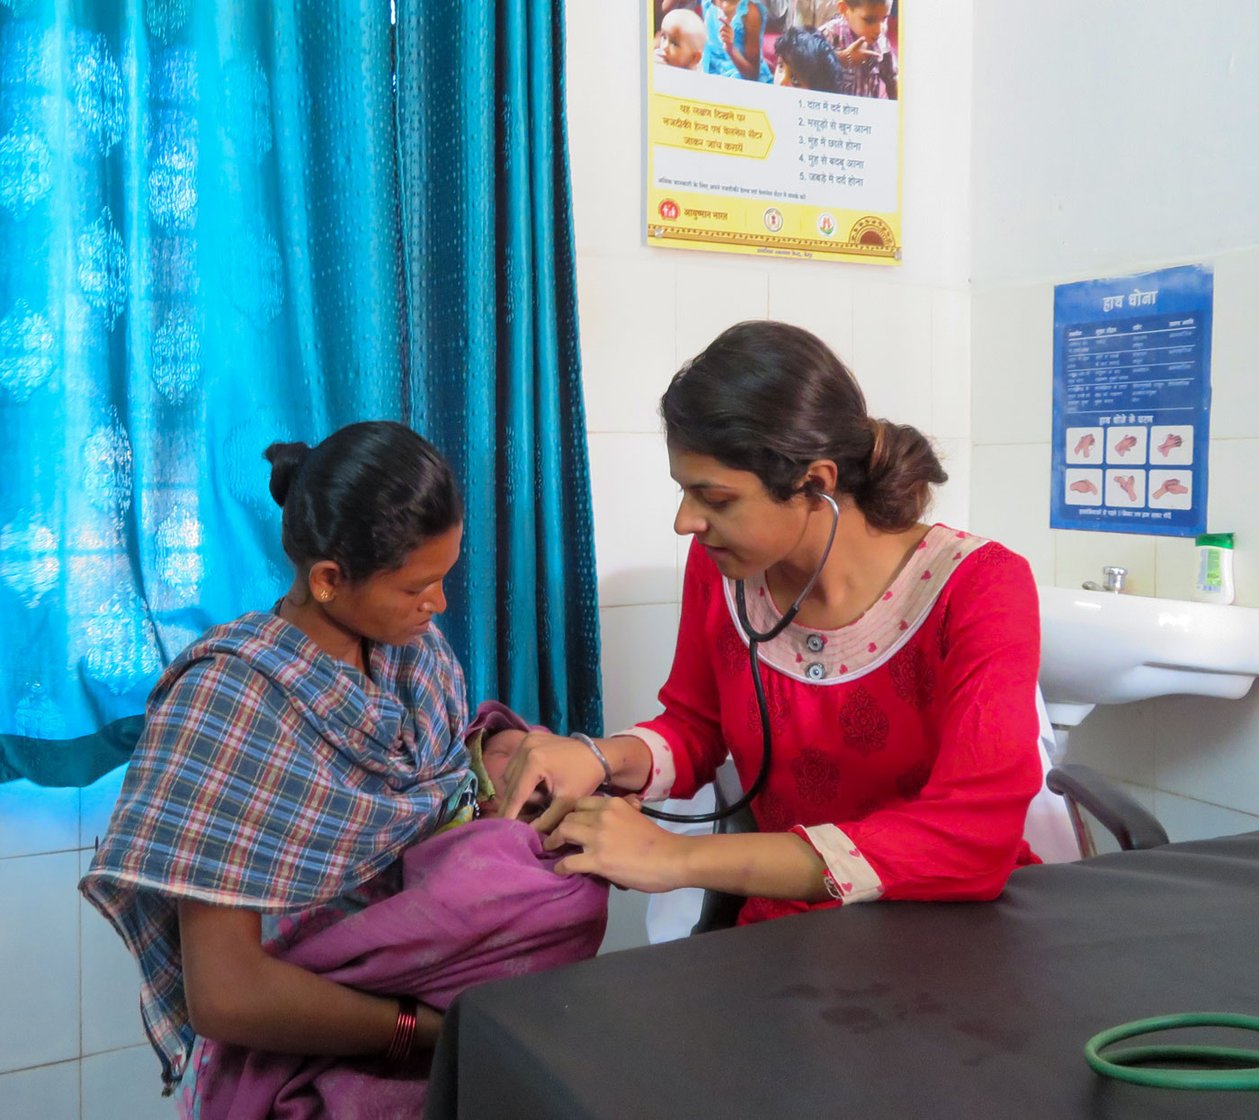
point(271, 776)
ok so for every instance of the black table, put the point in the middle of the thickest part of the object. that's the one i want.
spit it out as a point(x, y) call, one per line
point(900, 1010)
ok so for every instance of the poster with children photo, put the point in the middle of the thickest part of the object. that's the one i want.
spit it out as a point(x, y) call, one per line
point(774, 127)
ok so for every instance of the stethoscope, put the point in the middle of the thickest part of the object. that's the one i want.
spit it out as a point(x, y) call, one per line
point(755, 639)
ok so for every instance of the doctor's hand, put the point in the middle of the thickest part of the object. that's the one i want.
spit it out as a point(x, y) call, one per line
point(618, 843)
point(552, 768)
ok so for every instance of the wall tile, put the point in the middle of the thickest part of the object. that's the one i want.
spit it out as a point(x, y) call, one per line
point(817, 297)
point(628, 310)
point(1010, 501)
point(97, 804)
point(1186, 819)
point(634, 504)
point(35, 819)
point(43, 1093)
point(109, 983)
point(605, 71)
point(1234, 343)
point(1176, 567)
point(1012, 372)
point(712, 297)
point(1231, 508)
point(951, 503)
point(637, 655)
point(1208, 748)
point(1080, 556)
point(39, 960)
point(891, 352)
point(950, 364)
point(125, 1083)
point(1117, 740)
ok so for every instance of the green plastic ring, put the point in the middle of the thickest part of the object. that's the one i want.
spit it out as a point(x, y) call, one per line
point(1240, 1067)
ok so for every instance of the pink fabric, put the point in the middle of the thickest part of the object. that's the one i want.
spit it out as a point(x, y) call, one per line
point(480, 902)
point(494, 716)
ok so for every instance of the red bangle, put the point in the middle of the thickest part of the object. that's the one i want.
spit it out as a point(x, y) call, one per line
point(403, 1031)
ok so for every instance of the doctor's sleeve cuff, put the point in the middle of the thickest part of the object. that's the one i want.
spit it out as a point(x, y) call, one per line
point(849, 878)
point(663, 772)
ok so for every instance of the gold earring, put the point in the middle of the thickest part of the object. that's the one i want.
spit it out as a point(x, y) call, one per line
point(325, 595)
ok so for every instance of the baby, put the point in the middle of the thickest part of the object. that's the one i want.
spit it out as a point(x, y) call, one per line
point(496, 753)
point(681, 39)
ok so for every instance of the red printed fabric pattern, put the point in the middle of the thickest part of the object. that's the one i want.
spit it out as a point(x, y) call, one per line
point(919, 740)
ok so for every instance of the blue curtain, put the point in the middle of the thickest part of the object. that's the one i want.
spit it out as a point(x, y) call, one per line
point(494, 367)
point(203, 249)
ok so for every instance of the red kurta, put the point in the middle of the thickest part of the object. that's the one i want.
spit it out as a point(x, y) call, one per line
point(905, 744)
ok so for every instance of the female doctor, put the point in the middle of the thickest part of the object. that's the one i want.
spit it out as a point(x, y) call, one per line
point(900, 693)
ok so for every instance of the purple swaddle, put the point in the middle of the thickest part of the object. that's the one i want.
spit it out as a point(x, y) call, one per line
point(479, 902)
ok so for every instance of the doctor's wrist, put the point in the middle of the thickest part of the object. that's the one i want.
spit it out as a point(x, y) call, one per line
point(630, 760)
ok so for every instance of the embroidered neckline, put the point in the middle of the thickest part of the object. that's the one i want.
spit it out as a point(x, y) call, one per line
point(835, 656)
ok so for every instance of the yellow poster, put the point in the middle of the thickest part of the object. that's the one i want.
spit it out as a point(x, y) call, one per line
point(774, 127)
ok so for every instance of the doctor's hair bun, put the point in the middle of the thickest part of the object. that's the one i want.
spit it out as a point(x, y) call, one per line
point(771, 398)
point(286, 460)
point(903, 467)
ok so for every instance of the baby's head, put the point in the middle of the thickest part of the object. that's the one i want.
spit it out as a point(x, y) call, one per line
point(682, 39)
point(497, 751)
point(806, 61)
point(867, 18)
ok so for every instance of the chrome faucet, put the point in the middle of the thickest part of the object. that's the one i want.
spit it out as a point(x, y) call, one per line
point(1112, 577)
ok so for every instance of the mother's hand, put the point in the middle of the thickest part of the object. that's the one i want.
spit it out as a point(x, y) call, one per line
point(620, 844)
point(562, 768)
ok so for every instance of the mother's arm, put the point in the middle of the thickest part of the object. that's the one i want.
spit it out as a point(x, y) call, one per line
point(238, 994)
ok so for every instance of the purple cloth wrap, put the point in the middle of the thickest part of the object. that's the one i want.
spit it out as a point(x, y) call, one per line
point(480, 902)
point(494, 716)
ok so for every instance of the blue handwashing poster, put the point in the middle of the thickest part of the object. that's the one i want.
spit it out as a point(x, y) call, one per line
point(1132, 403)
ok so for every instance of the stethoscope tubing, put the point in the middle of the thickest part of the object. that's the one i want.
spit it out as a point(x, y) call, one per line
point(755, 639)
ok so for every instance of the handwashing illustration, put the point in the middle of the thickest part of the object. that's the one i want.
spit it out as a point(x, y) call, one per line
point(1169, 444)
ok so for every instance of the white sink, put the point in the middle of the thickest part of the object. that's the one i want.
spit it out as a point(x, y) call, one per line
point(1101, 648)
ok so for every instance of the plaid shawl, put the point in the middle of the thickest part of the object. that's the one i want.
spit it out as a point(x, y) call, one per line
point(273, 777)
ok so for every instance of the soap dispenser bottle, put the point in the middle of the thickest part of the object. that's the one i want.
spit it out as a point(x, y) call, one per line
point(1214, 583)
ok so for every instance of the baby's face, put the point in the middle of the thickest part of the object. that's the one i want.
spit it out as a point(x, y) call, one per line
point(867, 20)
point(496, 754)
point(682, 39)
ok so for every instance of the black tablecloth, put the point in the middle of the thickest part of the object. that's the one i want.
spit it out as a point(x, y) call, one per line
point(941, 1010)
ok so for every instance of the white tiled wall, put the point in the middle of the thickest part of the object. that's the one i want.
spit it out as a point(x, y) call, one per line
point(71, 1043)
point(1059, 195)
point(1198, 757)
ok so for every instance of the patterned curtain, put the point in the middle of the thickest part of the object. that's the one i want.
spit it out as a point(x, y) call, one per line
point(201, 251)
point(495, 372)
